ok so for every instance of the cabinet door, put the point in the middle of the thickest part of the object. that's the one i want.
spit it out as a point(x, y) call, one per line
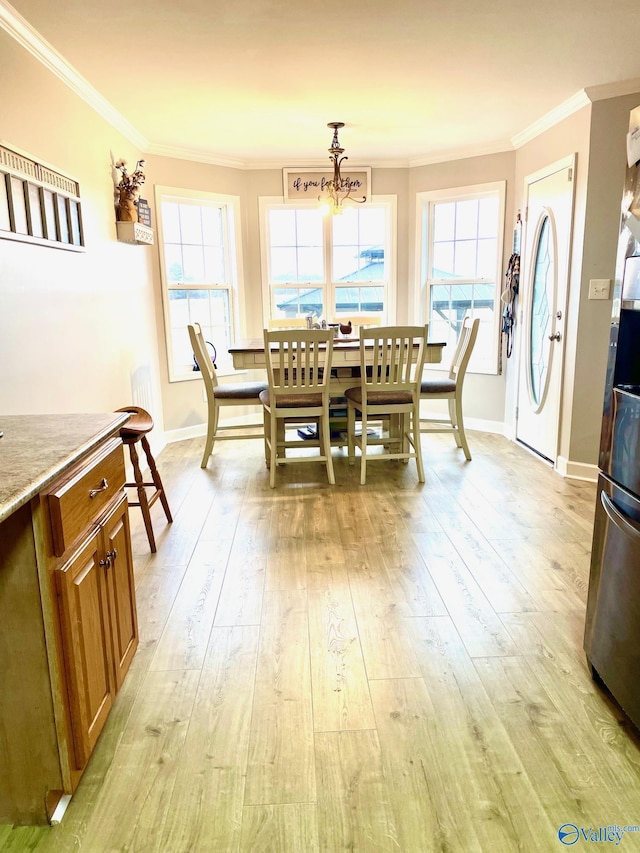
point(84, 617)
point(122, 595)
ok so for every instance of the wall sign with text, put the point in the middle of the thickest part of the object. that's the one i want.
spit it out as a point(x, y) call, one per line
point(308, 184)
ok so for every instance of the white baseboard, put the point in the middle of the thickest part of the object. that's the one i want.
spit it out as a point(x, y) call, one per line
point(497, 427)
point(577, 470)
point(185, 433)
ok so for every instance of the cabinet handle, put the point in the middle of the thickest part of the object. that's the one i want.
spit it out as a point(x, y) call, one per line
point(112, 554)
point(102, 488)
point(105, 563)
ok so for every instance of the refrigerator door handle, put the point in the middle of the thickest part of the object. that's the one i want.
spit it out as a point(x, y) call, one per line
point(620, 520)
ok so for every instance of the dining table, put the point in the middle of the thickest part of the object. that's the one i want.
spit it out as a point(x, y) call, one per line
point(249, 355)
point(345, 370)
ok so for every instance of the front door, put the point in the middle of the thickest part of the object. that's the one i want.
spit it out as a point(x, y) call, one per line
point(543, 299)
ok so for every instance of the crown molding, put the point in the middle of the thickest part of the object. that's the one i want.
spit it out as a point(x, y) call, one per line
point(20, 29)
point(461, 154)
point(613, 90)
point(195, 155)
point(555, 116)
point(211, 158)
point(309, 163)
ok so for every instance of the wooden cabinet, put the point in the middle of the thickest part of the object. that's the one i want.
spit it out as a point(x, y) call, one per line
point(68, 627)
point(98, 627)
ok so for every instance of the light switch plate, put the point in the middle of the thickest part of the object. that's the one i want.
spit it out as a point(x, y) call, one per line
point(599, 288)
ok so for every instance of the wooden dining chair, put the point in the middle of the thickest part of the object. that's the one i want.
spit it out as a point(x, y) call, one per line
point(236, 394)
point(450, 389)
point(298, 369)
point(391, 363)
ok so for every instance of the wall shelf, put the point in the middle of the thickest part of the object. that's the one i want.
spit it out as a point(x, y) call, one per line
point(134, 232)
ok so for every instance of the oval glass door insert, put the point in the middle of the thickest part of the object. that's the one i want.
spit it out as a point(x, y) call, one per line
point(542, 290)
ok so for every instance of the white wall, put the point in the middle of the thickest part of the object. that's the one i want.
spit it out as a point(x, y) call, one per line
point(77, 330)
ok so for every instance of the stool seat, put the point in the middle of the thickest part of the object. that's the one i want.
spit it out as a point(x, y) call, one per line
point(138, 424)
point(134, 431)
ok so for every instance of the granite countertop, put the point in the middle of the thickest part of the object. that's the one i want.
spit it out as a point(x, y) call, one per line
point(35, 449)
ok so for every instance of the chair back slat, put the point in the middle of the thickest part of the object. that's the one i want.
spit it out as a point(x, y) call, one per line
point(392, 357)
point(202, 356)
point(464, 348)
point(298, 360)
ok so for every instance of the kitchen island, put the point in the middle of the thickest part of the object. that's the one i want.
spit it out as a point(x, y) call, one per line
point(68, 626)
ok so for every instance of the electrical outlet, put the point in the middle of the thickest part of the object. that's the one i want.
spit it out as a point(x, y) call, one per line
point(599, 288)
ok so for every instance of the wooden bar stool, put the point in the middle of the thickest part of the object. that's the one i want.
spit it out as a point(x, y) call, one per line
point(134, 431)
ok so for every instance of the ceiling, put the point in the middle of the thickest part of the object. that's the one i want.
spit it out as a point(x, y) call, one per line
point(254, 82)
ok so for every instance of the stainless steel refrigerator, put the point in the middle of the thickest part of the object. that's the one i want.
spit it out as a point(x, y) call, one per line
point(612, 631)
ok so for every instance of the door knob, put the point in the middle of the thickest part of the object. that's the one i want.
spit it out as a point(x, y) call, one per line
point(555, 337)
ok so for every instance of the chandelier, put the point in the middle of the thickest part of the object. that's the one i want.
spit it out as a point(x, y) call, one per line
point(338, 189)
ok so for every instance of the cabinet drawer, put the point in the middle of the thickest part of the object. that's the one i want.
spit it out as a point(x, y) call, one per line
point(80, 499)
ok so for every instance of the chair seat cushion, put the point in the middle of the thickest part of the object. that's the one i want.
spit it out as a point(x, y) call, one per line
point(380, 398)
point(240, 390)
point(292, 401)
point(437, 386)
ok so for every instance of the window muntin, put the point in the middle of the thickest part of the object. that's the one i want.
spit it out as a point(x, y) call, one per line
point(327, 265)
point(212, 309)
point(359, 245)
point(199, 263)
point(462, 267)
point(295, 246)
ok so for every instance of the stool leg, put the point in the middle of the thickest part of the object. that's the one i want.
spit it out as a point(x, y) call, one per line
point(142, 497)
point(155, 476)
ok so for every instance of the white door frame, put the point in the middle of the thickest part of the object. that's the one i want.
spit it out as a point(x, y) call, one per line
point(568, 162)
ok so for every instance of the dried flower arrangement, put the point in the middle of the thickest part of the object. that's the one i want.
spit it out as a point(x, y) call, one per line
point(130, 183)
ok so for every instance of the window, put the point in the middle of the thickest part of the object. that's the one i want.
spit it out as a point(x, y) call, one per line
point(461, 268)
point(199, 264)
point(38, 205)
point(328, 266)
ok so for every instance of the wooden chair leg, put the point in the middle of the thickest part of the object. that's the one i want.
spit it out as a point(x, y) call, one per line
point(212, 428)
point(363, 449)
point(142, 497)
point(417, 446)
point(326, 446)
point(455, 421)
point(351, 427)
point(266, 420)
point(273, 430)
point(155, 476)
point(460, 433)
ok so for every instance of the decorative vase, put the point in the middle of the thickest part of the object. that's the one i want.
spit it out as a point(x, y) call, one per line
point(127, 211)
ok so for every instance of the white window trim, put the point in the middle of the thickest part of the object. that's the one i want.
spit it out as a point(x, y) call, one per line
point(423, 239)
point(236, 278)
point(266, 202)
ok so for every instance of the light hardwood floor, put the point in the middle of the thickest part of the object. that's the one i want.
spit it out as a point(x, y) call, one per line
point(389, 667)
